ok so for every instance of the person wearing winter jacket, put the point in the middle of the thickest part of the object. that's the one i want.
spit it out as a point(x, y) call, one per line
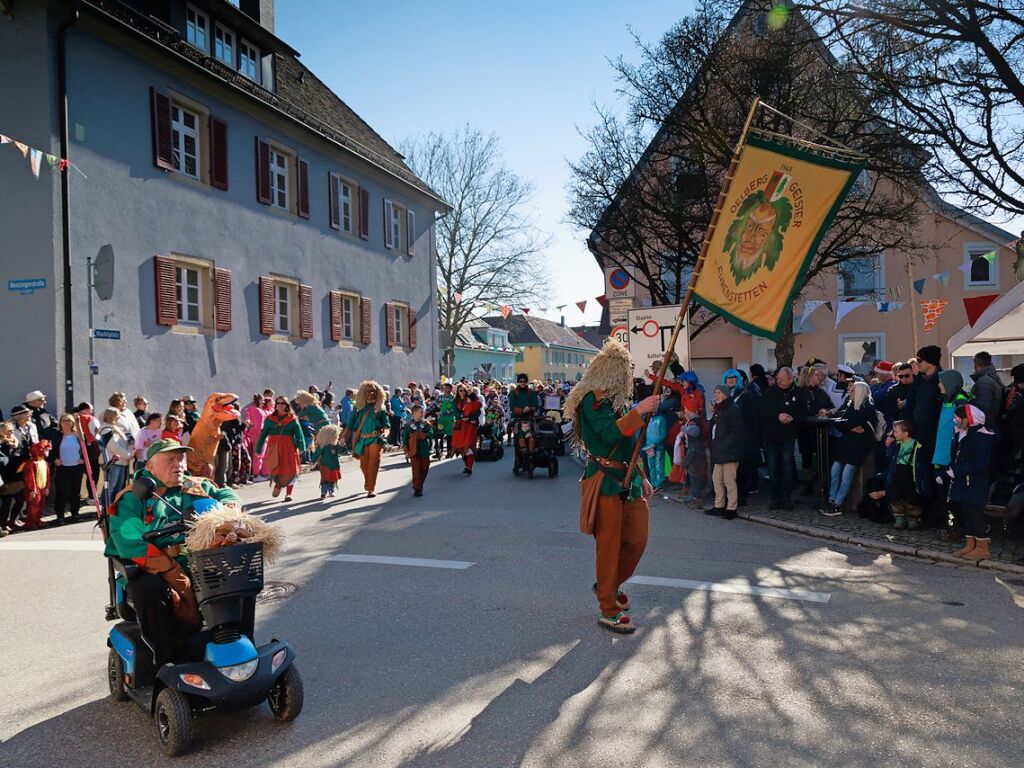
point(781, 407)
point(988, 389)
point(694, 461)
point(924, 401)
point(728, 447)
point(749, 403)
point(969, 479)
point(856, 426)
point(907, 478)
point(951, 390)
point(814, 401)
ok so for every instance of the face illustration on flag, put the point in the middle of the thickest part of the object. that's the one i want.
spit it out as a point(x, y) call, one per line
point(779, 206)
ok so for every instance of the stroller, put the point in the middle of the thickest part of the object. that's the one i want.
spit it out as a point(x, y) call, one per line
point(489, 442)
point(548, 437)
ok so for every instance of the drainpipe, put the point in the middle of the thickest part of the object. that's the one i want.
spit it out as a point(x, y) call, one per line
point(65, 200)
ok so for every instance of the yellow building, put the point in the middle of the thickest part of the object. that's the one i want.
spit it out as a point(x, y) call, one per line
point(546, 350)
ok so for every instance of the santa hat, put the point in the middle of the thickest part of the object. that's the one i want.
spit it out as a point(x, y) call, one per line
point(884, 366)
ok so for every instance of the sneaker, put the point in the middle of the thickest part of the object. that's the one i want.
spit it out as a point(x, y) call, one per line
point(831, 510)
point(287, 498)
point(417, 493)
point(728, 514)
point(715, 512)
point(370, 494)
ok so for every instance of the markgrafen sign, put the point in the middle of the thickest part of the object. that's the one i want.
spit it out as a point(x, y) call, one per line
point(777, 209)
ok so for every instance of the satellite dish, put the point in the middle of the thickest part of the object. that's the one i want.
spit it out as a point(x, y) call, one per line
point(103, 273)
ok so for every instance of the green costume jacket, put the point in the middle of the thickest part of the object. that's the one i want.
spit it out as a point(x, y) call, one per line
point(446, 415)
point(609, 435)
point(328, 456)
point(315, 415)
point(292, 428)
point(372, 428)
point(523, 399)
point(426, 436)
point(133, 518)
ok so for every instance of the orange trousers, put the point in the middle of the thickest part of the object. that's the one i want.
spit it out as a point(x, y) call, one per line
point(369, 462)
point(620, 531)
point(420, 467)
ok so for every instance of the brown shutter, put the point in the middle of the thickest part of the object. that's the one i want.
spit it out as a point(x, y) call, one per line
point(302, 172)
point(364, 321)
point(388, 240)
point(364, 214)
point(160, 113)
point(166, 299)
point(410, 219)
point(333, 202)
point(336, 329)
point(412, 329)
point(266, 306)
point(389, 323)
point(306, 311)
point(262, 172)
point(222, 299)
point(218, 153)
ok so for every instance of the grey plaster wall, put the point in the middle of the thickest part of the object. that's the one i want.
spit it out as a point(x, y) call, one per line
point(138, 210)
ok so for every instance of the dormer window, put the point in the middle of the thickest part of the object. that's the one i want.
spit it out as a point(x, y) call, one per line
point(197, 28)
point(249, 60)
point(224, 45)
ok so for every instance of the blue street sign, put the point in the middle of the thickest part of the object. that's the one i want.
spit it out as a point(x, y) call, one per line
point(101, 333)
point(26, 287)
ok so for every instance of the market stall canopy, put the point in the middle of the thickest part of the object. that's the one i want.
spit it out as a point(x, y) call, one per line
point(999, 330)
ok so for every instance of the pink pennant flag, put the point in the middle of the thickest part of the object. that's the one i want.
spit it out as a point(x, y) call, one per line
point(505, 311)
point(458, 297)
point(932, 310)
point(23, 148)
point(582, 305)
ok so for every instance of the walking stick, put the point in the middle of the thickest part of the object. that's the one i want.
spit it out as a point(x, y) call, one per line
point(685, 306)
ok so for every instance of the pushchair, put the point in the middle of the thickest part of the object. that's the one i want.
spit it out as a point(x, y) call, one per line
point(489, 442)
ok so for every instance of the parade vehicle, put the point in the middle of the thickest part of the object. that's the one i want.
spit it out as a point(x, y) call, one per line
point(547, 437)
point(223, 669)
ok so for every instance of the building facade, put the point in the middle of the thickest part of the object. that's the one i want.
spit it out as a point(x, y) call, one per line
point(484, 352)
point(545, 350)
point(251, 230)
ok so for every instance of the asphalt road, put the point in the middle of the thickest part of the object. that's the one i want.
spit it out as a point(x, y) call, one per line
point(866, 660)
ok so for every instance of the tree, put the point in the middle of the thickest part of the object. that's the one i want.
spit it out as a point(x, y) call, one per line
point(686, 102)
point(488, 249)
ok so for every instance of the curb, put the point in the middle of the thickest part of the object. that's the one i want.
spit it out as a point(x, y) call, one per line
point(923, 553)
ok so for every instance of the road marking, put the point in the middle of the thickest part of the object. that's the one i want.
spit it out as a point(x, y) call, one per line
point(458, 565)
point(52, 545)
point(735, 589)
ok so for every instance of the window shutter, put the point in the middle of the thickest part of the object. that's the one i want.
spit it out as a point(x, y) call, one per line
point(389, 241)
point(364, 213)
point(306, 311)
point(412, 329)
point(262, 172)
point(222, 299)
point(166, 301)
point(333, 203)
point(410, 218)
point(302, 171)
point(389, 321)
point(160, 112)
point(364, 321)
point(266, 306)
point(218, 153)
point(335, 302)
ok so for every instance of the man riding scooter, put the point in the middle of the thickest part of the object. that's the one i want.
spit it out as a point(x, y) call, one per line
point(162, 594)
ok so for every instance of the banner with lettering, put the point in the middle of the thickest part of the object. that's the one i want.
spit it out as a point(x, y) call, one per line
point(777, 209)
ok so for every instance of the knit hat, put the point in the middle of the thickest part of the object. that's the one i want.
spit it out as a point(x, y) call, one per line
point(953, 381)
point(722, 388)
point(1017, 372)
point(884, 366)
point(930, 354)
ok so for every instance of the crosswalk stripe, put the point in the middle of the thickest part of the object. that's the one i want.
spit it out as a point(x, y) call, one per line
point(733, 588)
point(458, 565)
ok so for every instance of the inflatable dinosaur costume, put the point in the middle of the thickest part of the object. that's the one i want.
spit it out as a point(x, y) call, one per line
point(218, 408)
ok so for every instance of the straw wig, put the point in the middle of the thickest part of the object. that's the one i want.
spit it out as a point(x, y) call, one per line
point(364, 389)
point(328, 435)
point(610, 377)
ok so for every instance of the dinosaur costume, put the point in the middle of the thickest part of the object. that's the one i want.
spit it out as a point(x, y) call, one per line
point(218, 408)
point(36, 474)
point(365, 432)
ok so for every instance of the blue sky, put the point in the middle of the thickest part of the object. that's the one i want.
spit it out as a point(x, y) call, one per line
point(528, 72)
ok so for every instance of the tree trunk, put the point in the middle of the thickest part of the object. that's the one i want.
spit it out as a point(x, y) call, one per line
point(785, 347)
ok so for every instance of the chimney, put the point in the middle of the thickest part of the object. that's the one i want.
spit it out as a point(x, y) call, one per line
point(261, 11)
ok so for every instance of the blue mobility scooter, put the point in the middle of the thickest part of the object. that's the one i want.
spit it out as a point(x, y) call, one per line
point(225, 670)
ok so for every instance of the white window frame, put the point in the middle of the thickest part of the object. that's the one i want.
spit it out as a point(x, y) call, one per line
point(244, 49)
point(284, 308)
point(397, 214)
point(879, 290)
point(974, 251)
point(401, 324)
point(347, 220)
point(191, 26)
point(280, 180)
point(353, 300)
point(179, 131)
point(230, 48)
point(845, 337)
point(181, 303)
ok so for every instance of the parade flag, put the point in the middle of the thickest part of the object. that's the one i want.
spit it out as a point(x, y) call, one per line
point(582, 305)
point(942, 277)
point(845, 308)
point(919, 286)
point(809, 309)
point(932, 310)
point(975, 306)
point(506, 311)
point(776, 210)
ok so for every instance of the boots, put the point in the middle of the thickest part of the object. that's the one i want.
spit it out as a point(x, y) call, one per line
point(899, 522)
point(980, 551)
point(965, 550)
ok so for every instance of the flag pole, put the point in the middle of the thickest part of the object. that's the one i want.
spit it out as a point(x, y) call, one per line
point(685, 306)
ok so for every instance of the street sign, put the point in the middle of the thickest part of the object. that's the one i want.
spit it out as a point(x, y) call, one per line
point(618, 283)
point(620, 333)
point(617, 310)
point(26, 287)
point(650, 330)
point(104, 333)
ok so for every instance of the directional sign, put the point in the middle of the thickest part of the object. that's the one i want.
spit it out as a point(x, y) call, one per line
point(618, 283)
point(620, 333)
point(650, 331)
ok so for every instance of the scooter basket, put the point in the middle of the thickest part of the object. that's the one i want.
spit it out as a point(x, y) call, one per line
point(226, 571)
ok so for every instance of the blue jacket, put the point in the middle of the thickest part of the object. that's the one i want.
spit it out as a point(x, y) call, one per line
point(345, 409)
point(397, 406)
point(971, 456)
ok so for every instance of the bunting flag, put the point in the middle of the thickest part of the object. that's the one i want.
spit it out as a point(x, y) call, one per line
point(932, 310)
point(582, 305)
point(779, 204)
point(829, 305)
point(942, 277)
point(458, 299)
point(601, 300)
point(975, 306)
point(23, 148)
point(809, 309)
point(897, 292)
point(967, 265)
point(845, 308)
point(525, 310)
point(990, 257)
point(505, 311)
point(36, 157)
point(4, 139)
point(919, 286)
point(888, 306)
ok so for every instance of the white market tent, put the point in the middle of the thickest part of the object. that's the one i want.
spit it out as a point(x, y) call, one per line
point(999, 330)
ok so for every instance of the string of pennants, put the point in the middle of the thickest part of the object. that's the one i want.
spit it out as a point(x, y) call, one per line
point(507, 310)
point(36, 157)
point(931, 310)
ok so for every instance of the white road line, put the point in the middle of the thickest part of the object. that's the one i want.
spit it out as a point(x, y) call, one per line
point(735, 589)
point(458, 565)
point(52, 545)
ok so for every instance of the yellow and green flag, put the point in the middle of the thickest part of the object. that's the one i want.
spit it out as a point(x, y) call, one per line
point(777, 209)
